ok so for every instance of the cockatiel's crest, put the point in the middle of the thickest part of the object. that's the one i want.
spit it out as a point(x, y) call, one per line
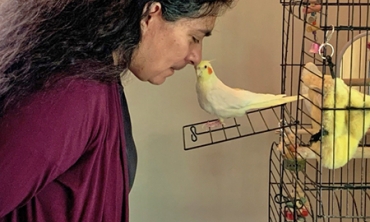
point(216, 98)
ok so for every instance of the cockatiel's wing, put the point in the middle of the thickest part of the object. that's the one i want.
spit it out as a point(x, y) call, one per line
point(232, 98)
point(227, 102)
point(235, 98)
point(220, 99)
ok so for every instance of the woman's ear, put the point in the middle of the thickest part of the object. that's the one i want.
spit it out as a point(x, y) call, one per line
point(151, 12)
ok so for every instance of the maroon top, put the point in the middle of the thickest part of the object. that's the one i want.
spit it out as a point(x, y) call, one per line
point(62, 156)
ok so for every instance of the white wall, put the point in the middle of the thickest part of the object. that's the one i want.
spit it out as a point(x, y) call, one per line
point(227, 182)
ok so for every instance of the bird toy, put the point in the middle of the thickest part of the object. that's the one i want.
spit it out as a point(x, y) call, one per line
point(312, 27)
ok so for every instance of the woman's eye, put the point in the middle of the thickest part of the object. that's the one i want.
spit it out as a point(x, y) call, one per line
point(195, 40)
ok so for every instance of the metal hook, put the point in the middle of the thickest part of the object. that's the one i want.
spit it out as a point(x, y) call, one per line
point(194, 133)
point(330, 34)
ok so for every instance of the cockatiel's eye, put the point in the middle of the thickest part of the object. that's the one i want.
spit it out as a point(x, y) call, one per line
point(205, 66)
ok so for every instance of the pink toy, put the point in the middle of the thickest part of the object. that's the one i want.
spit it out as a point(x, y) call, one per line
point(314, 48)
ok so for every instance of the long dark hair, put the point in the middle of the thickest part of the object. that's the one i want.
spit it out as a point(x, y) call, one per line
point(39, 39)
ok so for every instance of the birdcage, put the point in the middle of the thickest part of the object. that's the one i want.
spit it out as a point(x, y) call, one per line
point(320, 168)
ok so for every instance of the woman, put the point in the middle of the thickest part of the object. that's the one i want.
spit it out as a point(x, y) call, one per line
point(66, 149)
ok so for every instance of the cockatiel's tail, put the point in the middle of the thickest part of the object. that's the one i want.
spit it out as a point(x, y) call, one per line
point(225, 102)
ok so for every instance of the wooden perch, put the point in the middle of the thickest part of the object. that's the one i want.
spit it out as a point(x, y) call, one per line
point(310, 131)
point(307, 153)
point(357, 82)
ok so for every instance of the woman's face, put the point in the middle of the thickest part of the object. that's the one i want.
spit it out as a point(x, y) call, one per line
point(168, 46)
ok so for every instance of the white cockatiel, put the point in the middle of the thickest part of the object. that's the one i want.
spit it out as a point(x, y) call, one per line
point(216, 98)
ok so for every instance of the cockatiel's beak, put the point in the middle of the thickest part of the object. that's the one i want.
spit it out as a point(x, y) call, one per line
point(197, 70)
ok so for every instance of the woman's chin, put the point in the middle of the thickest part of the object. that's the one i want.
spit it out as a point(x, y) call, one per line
point(157, 81)
point(160, 79)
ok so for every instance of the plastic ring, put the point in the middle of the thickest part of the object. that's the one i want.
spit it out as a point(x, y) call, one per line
point(323, 45)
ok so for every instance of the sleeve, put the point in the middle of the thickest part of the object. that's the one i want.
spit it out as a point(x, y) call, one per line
point(43, 138)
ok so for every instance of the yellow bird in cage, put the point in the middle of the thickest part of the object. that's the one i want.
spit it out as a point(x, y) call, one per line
point(344, 117)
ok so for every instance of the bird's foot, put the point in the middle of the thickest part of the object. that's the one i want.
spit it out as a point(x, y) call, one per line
point(213, 124)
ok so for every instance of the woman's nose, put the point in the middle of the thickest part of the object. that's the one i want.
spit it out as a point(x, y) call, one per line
point(195, 55)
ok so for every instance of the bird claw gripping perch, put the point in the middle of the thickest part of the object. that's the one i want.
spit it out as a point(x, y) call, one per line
point(318, 136)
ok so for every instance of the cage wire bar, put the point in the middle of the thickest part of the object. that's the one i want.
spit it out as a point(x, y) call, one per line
point(198, 135)
point(320, 169)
